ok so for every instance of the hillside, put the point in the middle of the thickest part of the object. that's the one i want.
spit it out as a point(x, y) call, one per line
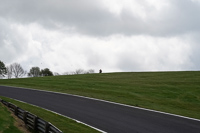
point(173, 92)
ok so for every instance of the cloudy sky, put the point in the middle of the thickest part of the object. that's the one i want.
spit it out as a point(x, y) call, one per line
point(114, 35)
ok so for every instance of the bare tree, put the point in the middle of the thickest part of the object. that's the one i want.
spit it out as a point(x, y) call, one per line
point(71, 73)
point(56, 74)
point(17, 70)
point(79, 71)
point(66, 73)
point(9, 72)
point(91, 71)
point(88, 71)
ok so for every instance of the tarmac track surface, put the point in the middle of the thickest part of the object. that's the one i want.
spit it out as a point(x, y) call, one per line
point(109, 117)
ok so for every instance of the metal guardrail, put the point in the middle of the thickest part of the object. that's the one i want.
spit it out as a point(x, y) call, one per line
point(32, 121)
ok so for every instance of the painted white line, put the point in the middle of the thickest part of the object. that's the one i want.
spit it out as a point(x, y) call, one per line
point(62, 115)
point(112, 103)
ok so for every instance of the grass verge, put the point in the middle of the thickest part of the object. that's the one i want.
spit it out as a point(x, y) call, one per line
point(172, 92)
point(64, 124)
point(7, 121)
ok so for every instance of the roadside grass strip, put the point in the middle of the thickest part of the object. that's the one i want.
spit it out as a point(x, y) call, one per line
point(7, 121)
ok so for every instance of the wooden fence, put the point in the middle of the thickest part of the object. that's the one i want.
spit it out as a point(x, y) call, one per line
point(32, 121)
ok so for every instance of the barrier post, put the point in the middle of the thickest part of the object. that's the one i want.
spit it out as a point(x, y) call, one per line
point(47, 127)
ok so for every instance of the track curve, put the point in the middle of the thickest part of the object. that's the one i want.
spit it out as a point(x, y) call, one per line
point(109, 117)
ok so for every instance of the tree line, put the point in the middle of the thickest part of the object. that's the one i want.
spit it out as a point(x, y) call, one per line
point(16, 70)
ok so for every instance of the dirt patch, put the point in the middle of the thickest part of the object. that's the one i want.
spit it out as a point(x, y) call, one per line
point(20, 124)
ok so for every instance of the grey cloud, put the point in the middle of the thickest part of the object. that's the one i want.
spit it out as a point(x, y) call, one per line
point(127, 63)
point(181, 18)
point(66, 13)
point(12, 44)
point(90, 17)
point(195, 55)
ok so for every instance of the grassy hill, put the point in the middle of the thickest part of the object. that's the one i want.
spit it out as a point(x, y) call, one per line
point(173, 92)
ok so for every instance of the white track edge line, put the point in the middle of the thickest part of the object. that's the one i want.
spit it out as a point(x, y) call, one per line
point(111, 103)
point(62, 115)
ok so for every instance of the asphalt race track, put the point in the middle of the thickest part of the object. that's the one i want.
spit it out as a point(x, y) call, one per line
point(111, 118)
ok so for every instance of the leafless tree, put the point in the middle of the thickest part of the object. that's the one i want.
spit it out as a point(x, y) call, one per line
point(56, 74)
point(66, 73)
point(17, 70)
point(71, 73)
point(9, 72)
point(88, 71)
point(91, 71)
point(79, 71)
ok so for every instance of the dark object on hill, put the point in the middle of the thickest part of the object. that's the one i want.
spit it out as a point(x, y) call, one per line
point(100, 71)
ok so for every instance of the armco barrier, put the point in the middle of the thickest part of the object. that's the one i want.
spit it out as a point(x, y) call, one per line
point(32, 121)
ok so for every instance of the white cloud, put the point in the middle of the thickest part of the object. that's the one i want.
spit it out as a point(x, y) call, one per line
point(112, 35)
point(67, 52)
point(140, 8)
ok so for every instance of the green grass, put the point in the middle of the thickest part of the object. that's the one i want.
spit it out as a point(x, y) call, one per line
point(64, 124)
point(172, 92)
point(7, 121)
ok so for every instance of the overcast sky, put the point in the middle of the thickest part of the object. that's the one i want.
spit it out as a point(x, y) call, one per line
point(114, 35)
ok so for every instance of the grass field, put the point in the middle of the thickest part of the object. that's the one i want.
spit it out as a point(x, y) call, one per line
point(173, 92)
point(7, 121)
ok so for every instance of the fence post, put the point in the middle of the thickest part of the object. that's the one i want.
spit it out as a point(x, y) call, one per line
point(24, 117)
point(47, 127)
point(35, 122)
point(13, 107)
point(16, 111)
